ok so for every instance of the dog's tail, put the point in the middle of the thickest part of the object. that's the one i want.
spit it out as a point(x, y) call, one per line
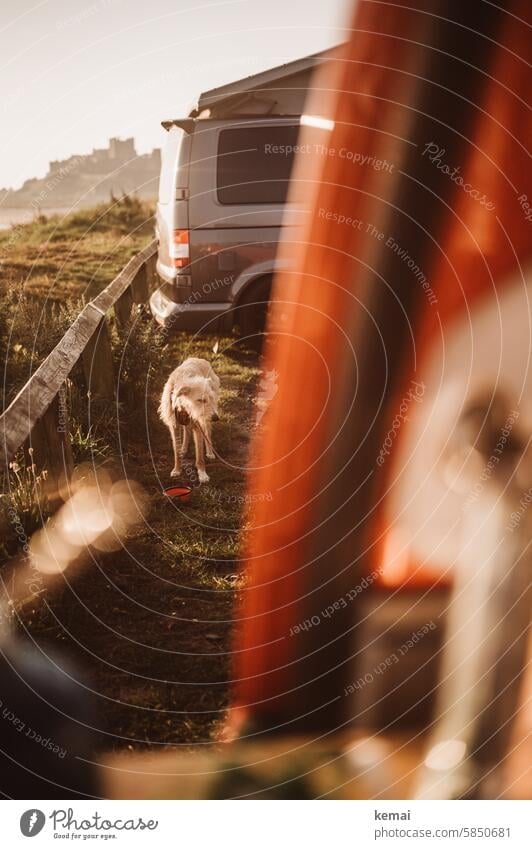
point(166, 411)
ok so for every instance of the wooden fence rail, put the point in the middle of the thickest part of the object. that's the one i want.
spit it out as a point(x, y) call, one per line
point(38, 412)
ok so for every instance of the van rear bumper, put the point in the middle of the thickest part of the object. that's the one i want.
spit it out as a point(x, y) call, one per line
point(207, 317)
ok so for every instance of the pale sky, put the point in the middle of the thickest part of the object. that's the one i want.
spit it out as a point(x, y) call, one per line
point(75, 72)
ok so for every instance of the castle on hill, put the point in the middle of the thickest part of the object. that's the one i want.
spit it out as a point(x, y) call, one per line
point(81, 181)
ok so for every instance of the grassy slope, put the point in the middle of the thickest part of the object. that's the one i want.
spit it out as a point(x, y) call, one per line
point(151, 625)
point(49, 268)
point(76, 255)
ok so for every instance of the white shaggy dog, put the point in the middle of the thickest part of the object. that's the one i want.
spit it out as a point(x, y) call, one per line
point(190, 403)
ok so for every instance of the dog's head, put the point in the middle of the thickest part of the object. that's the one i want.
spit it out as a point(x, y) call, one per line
point(195, 401)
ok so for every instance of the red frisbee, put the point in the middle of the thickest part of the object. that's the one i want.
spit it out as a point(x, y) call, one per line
point(178, 493)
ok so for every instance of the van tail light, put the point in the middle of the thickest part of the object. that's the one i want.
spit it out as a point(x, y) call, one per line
point(180, 248)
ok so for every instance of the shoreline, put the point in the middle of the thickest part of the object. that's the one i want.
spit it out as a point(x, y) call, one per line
point(13, 215)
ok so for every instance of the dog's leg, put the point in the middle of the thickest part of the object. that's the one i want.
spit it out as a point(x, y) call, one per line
point(176, 471)
point(208, 442)
point(200, 456)
point(185, 441)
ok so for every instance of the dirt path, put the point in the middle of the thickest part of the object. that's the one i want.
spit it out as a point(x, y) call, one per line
point(151, 625)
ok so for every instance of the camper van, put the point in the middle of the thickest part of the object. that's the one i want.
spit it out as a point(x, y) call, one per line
point(223, 199)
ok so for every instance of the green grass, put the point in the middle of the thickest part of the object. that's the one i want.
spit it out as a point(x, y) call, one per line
point(50, 267)
point(150, 626)
point(77, 255)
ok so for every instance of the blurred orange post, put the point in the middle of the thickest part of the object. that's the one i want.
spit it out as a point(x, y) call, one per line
point(341, 341)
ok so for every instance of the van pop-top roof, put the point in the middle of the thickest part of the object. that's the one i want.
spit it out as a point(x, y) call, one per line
point(277, 91)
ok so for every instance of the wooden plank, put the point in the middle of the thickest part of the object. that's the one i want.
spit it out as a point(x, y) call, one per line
point(35, 397)
point(31, 403)
point(98, 367)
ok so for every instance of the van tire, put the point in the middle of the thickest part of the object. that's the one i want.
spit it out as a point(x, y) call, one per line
point(253, 311)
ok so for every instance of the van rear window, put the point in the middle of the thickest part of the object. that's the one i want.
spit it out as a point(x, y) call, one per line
point(254, 164)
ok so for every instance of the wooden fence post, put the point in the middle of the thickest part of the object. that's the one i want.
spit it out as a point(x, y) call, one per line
point(50, 440)
point(122, 309)
point(98, 366)
point(151, 274)
point(139, 286)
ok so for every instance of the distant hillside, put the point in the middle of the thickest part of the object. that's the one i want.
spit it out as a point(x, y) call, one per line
point(84, 181)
